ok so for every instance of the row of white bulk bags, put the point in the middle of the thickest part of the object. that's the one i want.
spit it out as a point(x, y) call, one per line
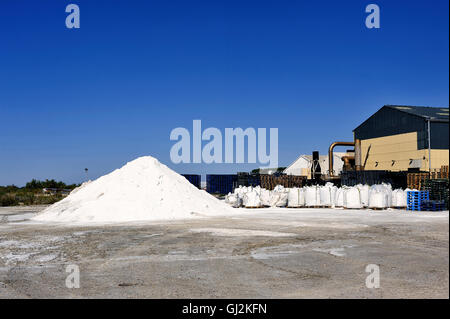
point(296, 197)
point(359, 196)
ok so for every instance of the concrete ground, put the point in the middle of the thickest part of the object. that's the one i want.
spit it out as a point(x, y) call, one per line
point(261, 253)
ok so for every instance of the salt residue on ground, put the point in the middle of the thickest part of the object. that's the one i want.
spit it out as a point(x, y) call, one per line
point(241, 232)
point(142, 190)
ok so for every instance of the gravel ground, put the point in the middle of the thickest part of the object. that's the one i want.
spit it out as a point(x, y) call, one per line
point(261, 253)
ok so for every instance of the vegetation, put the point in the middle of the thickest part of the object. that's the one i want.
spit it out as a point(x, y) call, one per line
point(33, 193)
point(36, 184)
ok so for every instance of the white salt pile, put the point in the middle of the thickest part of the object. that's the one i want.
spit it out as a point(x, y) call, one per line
point(142, 190)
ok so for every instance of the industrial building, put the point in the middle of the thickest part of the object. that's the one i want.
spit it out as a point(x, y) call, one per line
point(402, 138)
point(396, 138)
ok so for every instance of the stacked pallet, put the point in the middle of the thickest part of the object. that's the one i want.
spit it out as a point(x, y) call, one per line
point(415, 180)
point(441, 173)
point(433, 205)
point(416, 200)
point(270, 181)
point(439, 190)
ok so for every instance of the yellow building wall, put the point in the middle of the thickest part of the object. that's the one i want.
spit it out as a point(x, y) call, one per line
point(400, 148)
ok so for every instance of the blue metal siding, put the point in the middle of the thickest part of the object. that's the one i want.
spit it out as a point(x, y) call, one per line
point(439, 136)
point(388, 121)
point(193, 179)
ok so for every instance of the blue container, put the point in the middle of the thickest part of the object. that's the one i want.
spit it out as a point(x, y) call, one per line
point(193, 179)
point(220, 183)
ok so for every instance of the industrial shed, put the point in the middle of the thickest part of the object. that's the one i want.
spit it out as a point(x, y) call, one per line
point(396, 138)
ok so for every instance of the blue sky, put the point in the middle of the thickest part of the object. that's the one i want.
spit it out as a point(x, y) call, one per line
point(113, 90)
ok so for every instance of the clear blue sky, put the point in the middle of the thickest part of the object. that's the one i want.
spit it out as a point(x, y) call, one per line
point(113, 90)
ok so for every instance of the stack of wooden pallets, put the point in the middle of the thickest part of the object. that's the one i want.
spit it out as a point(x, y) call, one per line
point(417, 180)
point(270, 181)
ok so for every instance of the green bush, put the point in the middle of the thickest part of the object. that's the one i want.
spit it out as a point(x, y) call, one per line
point(9, 200)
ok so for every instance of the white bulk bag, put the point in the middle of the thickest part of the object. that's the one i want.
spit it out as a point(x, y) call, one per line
point(326, 195)
point(388, 192)
point(352, 198)
point(265, 197)
point(274, 197)
point(312, 196)
point(233, 200)
point(252, 199)
point(282, 200)
point(399, 198)
point(364, 192)
point(278, 188)
point(339, 197)
point(296, 197)
point(333, 191)
point(378, 197)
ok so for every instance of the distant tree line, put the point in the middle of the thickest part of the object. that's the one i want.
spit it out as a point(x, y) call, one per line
point(37, 184)
point(31, 193)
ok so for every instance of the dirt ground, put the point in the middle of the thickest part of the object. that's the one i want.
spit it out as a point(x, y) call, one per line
point(265, 253)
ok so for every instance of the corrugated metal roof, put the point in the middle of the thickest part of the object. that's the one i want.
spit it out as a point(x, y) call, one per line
point(436, 113)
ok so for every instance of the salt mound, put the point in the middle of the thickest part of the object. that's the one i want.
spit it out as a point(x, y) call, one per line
point(142, 190)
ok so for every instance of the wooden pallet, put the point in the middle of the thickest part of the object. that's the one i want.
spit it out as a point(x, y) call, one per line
point(289, 181)
point(318, 206)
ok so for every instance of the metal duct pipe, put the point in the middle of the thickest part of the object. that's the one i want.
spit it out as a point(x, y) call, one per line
point(330, 155)
point(358, 157)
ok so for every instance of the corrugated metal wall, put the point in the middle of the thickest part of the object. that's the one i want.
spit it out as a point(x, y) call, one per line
point(388, 121)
